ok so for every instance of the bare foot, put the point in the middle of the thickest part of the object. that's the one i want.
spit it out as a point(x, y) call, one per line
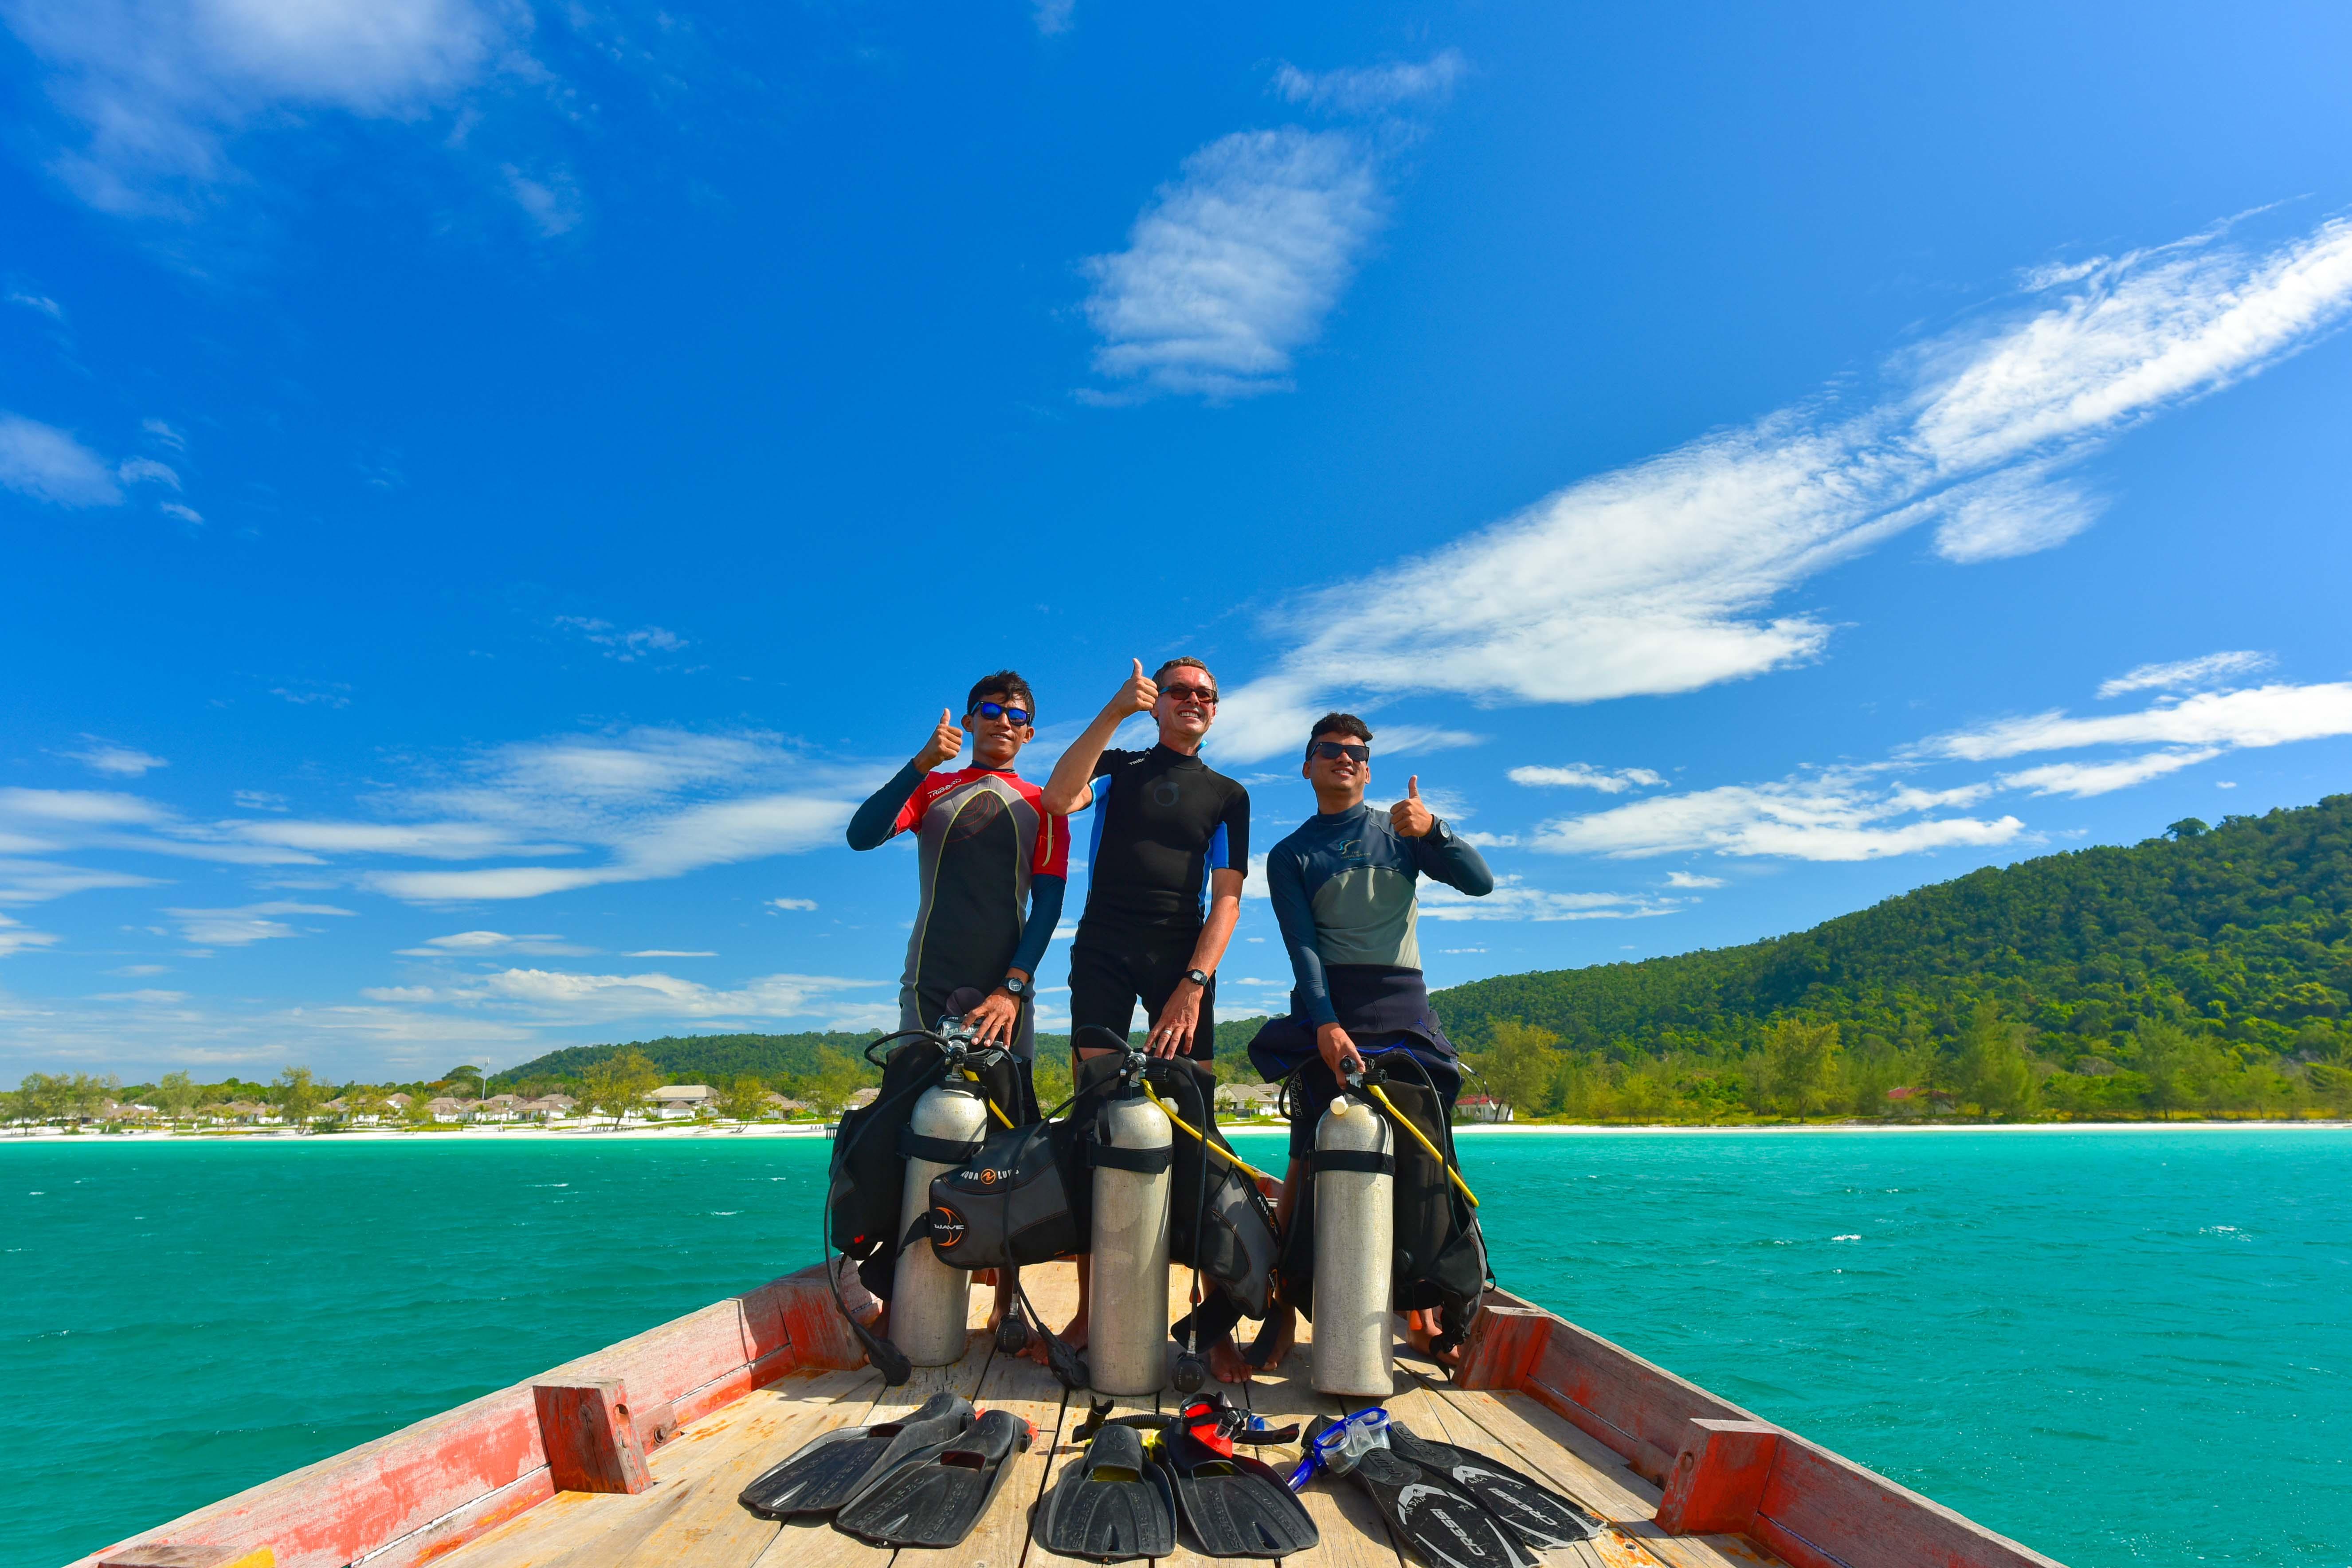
point(1282, 1324)
point(1075, 1336)
point(1420, 1329)
point(1225, 1362)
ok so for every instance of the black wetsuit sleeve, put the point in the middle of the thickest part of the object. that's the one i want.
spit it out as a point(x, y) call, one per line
point(1236, 821)
point(1286, 886)
point(1440, 854)
point(1045, 914)
point(878, 820)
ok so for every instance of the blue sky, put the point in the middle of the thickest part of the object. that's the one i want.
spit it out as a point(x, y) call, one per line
point(486, 487)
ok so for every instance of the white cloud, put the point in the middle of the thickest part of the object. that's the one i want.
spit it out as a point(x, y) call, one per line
point(17, 938)
point(2257, 716)
point(40, 302)
point(162, 431)
point(627, 647)
point(185, 514)
point(2214, 668)
point(122, 762)
point(1490, 840)
point(1661, 577)
point(1691, 880)
point(1841, 815)
point(35, 881)
point(321, 693)
point(1053, 16)
point(160, 84)
point(672, 952)
point(45, 463)
point(44, 821)
point(1232, 267)
point(559, 996)
point(2082, 780)
point(1374, 88)
point(467, 944)
point(258, 800)
point(1583, 775)
point(792, 904)
point(1512, 899)
point(553, 204)
point(146, 471)
point(245, 925)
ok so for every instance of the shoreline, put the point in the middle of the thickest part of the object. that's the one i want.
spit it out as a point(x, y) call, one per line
point(47, 1138)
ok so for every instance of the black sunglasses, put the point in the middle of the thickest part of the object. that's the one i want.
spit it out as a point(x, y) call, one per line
point(1332, 751)
point(1019, 716)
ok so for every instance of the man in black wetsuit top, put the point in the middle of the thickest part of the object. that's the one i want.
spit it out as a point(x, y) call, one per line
point(1170, 850)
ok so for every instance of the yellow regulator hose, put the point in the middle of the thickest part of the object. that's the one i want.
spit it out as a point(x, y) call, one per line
point(1442, 1164)
point(1226, 1155)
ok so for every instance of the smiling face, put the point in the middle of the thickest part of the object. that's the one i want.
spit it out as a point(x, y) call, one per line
point(996, 741)
point(1187, 706)
point(1338, 781)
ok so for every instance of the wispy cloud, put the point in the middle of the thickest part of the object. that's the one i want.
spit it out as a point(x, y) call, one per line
point(243, 926)
point(41, 303)
point(1232, 267)
point(2188, 674)
point(1583, 776)
point(159, 86)
point(1691, 880)
point(627, 647)
point(474, 943)
point(2271, 715)
point(1831, 815)
point(48, 464)
point(1373, 90)
point(1661, 577)
point(550, 995)
point(2082, 780)
point(17, 938)
point(552, 203)
point(120, 762)
point(792, 904)
point(1053, 16)
point(1513, 899)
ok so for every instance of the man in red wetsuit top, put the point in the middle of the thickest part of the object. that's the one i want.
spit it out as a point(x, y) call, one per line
point(994, 863)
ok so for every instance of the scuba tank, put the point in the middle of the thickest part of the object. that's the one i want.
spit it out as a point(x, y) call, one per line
point(1127, 1332)
point(1355, 1250)
point(929, 1300)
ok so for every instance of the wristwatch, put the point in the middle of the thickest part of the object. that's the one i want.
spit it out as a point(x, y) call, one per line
point(1016, 985)
point(1197, 977)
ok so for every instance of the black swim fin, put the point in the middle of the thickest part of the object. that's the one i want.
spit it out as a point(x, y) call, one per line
point(822, 1475)
point(1540, 1515)
point(1436, 1521)
point(935, 1502)
point(1233, 1505)
point(1111, 1503)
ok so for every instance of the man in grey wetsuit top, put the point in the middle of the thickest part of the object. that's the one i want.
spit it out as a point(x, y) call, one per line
point(1344, 888)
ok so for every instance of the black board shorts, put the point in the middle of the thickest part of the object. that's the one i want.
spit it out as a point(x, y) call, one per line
point(1107, 981)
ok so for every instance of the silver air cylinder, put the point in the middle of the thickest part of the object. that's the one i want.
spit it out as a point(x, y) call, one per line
point(929, 1300)
point(1355, 1249)
point(1126, 1331)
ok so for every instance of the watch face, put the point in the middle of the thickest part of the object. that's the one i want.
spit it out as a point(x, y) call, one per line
point(1018, 987)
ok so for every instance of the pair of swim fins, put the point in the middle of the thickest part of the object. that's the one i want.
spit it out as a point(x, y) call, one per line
point(1114, 1502)
point(923, 1480)
point(1455, 1508)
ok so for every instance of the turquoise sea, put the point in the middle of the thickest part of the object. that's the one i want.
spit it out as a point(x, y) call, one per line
point(2120, 1347)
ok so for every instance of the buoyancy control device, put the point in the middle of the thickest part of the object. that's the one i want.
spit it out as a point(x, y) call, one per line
point(1438, 1256)
point(868, 1216)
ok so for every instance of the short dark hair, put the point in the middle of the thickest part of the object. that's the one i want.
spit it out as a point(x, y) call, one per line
point(1181, 661)
point(1337, 724)
point(1003, 683)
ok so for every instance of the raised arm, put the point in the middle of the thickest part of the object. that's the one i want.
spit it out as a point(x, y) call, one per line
point(884, 814)
point(1071, 787)
point(1437, 849)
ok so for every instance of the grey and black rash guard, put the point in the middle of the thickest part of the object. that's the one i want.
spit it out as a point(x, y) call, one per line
point(1343, 888)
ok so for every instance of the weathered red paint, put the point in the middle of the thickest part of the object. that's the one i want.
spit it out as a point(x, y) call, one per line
point(591, 1437)
point(1819, 1510)
point(414, 1494)
point(1717, 1482)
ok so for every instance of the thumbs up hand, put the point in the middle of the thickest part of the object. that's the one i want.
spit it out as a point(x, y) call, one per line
point(1409, 817)
point(945, 745)
point(1138, 694)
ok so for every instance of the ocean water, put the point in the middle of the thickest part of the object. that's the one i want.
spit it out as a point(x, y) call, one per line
point(2130, 1347)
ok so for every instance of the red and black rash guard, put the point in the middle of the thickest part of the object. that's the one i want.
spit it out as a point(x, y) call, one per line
point(1163, 821)
point(992, 861)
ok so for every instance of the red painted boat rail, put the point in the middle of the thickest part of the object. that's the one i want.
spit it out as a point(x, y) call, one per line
point(418, 1493)
point(1723, 1471)
point(414, 1494)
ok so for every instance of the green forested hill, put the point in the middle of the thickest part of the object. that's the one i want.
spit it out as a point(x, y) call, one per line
point(2237, 942)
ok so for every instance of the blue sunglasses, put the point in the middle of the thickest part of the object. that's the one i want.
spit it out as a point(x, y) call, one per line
point(1019, 716)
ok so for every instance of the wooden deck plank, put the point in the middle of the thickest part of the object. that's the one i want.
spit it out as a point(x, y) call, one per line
point(1001, 1539)
point(1353, 1535)
point(710, 1526)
